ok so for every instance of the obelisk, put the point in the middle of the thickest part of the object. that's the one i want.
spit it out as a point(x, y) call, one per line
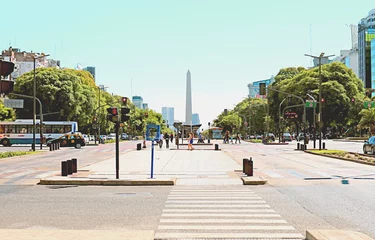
point(189, 108)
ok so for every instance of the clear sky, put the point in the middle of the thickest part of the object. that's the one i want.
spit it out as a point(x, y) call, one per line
point(225, 44)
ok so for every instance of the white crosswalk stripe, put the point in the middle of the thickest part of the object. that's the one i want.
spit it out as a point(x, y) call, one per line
point(206, 213)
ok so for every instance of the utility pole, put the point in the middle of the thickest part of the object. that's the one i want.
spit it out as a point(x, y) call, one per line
point(320, 119)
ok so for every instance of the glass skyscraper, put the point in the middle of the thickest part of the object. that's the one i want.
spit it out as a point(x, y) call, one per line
point(254, 87)
point(195, 119)
point(366, 33)
point(138, 101)
point(168, 115)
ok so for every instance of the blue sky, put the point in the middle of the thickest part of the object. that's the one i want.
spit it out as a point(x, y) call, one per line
point(225, 44)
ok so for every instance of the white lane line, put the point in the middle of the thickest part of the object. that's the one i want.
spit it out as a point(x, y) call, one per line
point(21, 174)
point(218, 220)
point(214, 201)
point(202, 190)
point(178, 210)
point(228, 235)
point(214, 194)
point(247, 215)
point(225, 227)
point(197, 198)
point(216, 206)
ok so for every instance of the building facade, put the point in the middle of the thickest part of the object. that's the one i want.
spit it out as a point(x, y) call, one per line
point(254, 87)
point(91, 70)
point(195, 119)
point(168, 115)
point(138, 101)
point(373, 64)
point(145, 106)
point(24, 61)
point(366, 32)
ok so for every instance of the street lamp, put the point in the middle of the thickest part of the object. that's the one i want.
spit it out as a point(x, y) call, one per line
point(320, 94)
point(313, 118)
point(101, 88)
point(209, 130)
point(34, 98)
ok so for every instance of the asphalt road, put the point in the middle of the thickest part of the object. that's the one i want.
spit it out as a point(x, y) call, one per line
point(304, 204)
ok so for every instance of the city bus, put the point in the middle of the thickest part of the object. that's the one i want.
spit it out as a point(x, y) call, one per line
point(21, 131)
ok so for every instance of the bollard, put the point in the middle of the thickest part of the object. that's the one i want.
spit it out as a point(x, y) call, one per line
point(53, 146)
point(216, 147)
point(64, 168)
point(302, 146)
point(324, 145)
point(58, 145)
point(244, 162)
point(298, 146)
point(144, 143)
point(70, 169)
point(74, 165)
point(208, 140)
point(249, 167)
point(305, 147)
point(50, 147)
point(139, 146)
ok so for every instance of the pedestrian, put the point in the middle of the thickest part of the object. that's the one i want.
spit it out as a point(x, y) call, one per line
point(190, 143)
point(171, 137)
point(161, 140)
point(238, 138)
point(166, 137)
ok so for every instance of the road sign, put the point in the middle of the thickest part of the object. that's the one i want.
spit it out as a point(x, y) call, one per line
point(310, 104)
point(13, 103)
point(370, 104)
point(290, 115)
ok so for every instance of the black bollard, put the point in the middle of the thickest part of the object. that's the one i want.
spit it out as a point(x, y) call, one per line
point(50, 147)
point(208, 140)
point(216, 147)
point(53, 146)
point(244, 162)
point(70, 169)
point(302, 147)
point(305, 147)
point(139, 146)
point(74, 165)
point(58, 145)
point(251, 167)
point(324, 145)
point(64, 168)
point(298, 145)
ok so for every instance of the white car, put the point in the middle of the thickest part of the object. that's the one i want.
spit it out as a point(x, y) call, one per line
point(111, 136)
point(86, 138)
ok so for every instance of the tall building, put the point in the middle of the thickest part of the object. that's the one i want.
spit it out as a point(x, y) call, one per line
point(195, 119)
point(138, 101)
point(145, 106)
point(189, 107)
point(373, 63)
point(24, 61)
point(254, 87)
point(366, 32)
point(168, 115)
point(91, 70)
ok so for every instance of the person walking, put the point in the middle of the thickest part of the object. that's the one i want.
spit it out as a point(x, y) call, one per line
point(166, 137)
point(238, 138)
point(171, 137)
point(190, 144)
point(161, 140)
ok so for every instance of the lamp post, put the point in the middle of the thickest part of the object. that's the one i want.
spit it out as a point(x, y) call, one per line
point(320, 94)
point(101, 87)
point(280, 116)
point(34, 99)
point(313, 119)
point(209, 132)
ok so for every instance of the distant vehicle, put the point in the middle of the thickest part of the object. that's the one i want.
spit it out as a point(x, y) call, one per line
point(369, 146)
point(301, 136)
point(69, 140)
point(271, 136)
point(259, 136)
point(111, 136)
point(124, 136)
point(86, 137)
point(287, 137)
point(21, 131)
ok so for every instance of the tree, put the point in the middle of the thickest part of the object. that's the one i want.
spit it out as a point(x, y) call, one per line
point(6, 114)
point(367, 119)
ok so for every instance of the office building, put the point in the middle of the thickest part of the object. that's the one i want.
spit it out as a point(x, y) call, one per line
point(195, 119)
point(90, 70)
point(168, 115)
point(145, 106)
point(138, 101)
point(366, 33)
point(254, 87)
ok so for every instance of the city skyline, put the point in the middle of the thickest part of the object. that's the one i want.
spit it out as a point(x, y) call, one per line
point(146, 47)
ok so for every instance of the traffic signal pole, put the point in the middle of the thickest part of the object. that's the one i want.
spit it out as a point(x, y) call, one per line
point(117, 150)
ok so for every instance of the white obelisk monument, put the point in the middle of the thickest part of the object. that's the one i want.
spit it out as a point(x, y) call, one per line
point(189, 108)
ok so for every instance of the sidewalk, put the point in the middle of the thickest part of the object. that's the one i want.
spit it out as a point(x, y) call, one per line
point(183, 167)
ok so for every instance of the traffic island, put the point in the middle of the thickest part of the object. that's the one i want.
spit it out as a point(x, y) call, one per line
point(107, 182)
point(335, 235)
point(344, 155)
point(253, 180)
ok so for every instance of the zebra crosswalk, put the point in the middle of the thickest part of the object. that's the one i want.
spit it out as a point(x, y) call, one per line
point(208, 213)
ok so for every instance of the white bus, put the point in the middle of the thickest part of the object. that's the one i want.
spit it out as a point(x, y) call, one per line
point(21, 131)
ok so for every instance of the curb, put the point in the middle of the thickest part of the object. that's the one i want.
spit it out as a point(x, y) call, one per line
point(112, 182)
point(253, 181)
point(341, 158)
point(335, 234)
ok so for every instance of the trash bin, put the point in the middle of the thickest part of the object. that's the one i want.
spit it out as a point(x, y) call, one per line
point(249, 167)
point(139, 146)
point(216, 147)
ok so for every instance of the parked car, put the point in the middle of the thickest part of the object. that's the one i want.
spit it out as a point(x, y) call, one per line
point(111, 136)
point(301, 136)
point(86, 137)
point(369, 146)
point(124, 136)
point(69, 140)
point(287, 137)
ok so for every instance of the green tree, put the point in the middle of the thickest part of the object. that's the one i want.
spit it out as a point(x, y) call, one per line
point(367, 119)
point(6, 114)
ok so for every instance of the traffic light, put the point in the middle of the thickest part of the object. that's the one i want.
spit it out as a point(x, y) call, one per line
point(6, 68)
point(262, 89)
point(124, 112)
point(124, 101)
point(112, 114)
